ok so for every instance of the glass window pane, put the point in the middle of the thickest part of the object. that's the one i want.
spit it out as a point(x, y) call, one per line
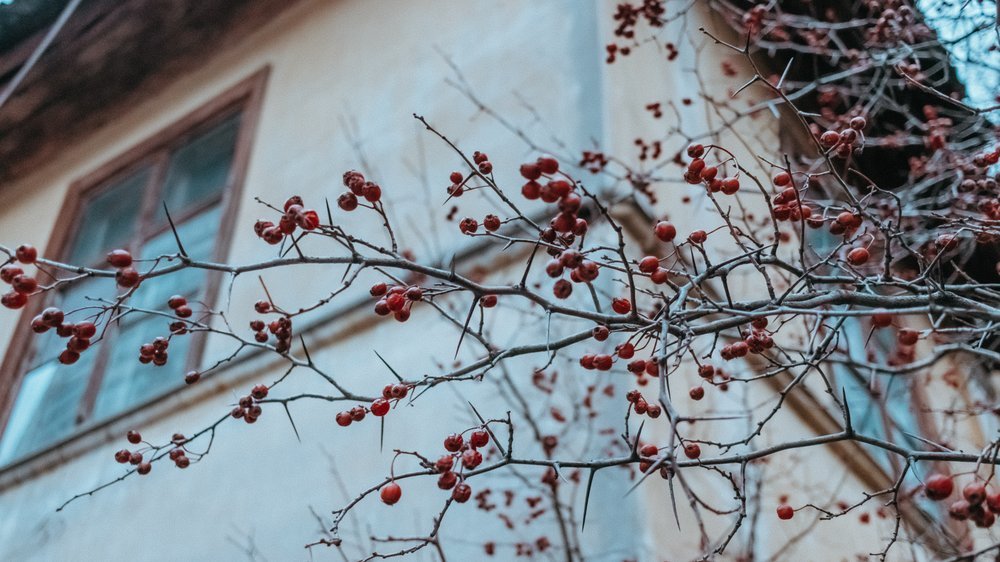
point(127, 382)
point(46, 407)
point(198, 236)
point(108, 220)
point(199, 170)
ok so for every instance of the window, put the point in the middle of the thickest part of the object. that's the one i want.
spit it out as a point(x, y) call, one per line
point(194, 169)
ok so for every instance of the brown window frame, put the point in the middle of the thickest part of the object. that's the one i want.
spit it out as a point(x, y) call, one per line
point(245, 98)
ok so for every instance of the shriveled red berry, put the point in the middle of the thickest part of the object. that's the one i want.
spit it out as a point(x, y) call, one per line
point(461, 493)
point(479, 438)
point(453, 443)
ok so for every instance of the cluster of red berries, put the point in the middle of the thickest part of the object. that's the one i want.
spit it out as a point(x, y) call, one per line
point(464, 452)
point(554, 190)
point(154, 352)
point(179, 305)
point(788, 206)
point(757, 340)
point(248, 408)
point(843, 142)
point(581, 269)
point(281, 328)
point(396, 300)
point(355, 182)
point(641, 406)
point(379, 407)
point(79, 334)
point(976, 504)
point(593, 161)
point(295, 216)
point(127, 276)
point(178, 454)
point(21, 284)
point(650, 265)
point(470, 225)
point(135, 458)
point(699, 172)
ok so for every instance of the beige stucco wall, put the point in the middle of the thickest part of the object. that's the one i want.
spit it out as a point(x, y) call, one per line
point(354, 71)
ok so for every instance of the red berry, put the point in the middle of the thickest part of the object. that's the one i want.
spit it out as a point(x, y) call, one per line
point(548, 165)
point(119, 258)
point(974, 493)
point(144, 468)
point(453, 443)
point(649, 264)
point(26, 253)
point(378, 289)
point(488, 301)
point(52, 317)
point(85, 330)
point(601, 333)
point(461, 493)
point(380, 407)
point(68, 357)
point(127, 277)
point(858, 256)
point(347, 201)
point(785, 511)
point(192, 377)
point(491, 223)
point(9, 272)
point(344, 419)
point(14, 300)
point(621, 306)
point(471, 459)
point(123, 456)
point(696, 393)
point(881, 319)
point(782, 179)
point(391, 493)
point(456, 177)
point(908, 337)
point(134, 437)
point(562, 289)
point(24, 284)
point(479, 438)
point(448, 479)
point(938, 486)
point(692, 450)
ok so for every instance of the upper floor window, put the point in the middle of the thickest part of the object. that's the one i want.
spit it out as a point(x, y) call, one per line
point(193, 170)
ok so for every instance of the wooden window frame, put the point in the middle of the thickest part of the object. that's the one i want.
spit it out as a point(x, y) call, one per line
point(246, 98)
